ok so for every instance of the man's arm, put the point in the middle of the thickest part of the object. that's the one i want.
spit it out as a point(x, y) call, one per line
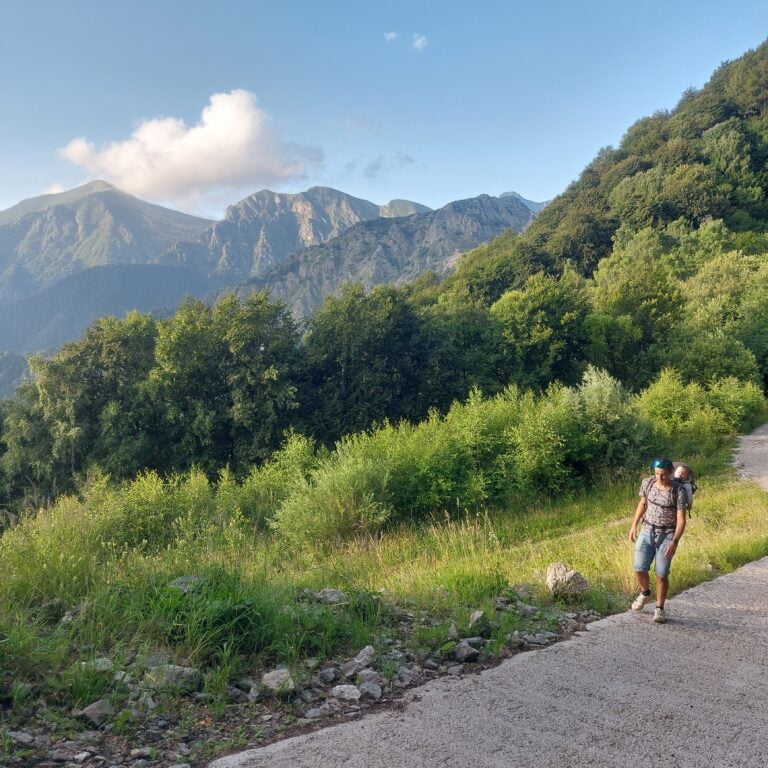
point(639, 512)
point(671, 548)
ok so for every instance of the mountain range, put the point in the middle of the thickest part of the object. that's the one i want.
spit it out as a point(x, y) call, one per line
point(67, 258)
point(263, 230)
point(391, 250)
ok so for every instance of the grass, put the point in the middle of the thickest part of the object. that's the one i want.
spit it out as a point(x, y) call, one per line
point(247, 610)
point(465, 562)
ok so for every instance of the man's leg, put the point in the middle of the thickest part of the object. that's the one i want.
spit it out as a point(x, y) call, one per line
point(644, 554)
point(662, 587)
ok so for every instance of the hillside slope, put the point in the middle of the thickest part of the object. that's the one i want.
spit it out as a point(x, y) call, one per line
point(47, 238)
point(705, 159)
point(62, 312)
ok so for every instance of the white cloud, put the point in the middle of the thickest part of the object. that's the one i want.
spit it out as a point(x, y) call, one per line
point(419, 42)
point(232, 147)
point(54, 189)
point(390, 36)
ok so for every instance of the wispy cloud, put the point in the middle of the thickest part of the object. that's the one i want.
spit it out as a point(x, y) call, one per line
point(54, 189)
point(232, 147)
point(390, 37)
point(419, 42)
point(384, 166)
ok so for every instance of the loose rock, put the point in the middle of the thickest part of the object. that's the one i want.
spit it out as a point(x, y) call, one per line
point(330, 596)
point(185, 584)
point(278, 682)
point(369, 675)
point(21, 737)
point(151, 660)
point(366, 656)
point(526, 610)
point(317, 712)
point(370, 691)
point(346, 692)
point(563, 581)
point(465, 652)
point(187, 679)
point(326, 676)
point(98, 665)
point(476, 617)
point(96, 713)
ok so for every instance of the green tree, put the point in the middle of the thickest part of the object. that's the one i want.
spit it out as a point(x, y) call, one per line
point(543, 326)
point(363, 355)
point(225, 378)
point(89, 402)
point(463, 350)
point(636, 282)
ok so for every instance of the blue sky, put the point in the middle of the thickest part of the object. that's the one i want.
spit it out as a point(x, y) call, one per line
point(430, 101)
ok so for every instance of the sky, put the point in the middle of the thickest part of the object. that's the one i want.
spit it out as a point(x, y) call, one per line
point(195, 104)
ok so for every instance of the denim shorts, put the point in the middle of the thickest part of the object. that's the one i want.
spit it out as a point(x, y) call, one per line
point(650, 546)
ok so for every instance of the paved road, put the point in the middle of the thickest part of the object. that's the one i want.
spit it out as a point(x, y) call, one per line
point(627, 692)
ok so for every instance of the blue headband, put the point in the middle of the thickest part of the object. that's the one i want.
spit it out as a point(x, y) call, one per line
point(662, 464)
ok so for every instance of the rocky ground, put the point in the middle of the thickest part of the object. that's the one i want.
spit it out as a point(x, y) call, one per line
point(161, 717)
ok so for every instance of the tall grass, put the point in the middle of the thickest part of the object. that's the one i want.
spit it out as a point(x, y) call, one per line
point(443, 515)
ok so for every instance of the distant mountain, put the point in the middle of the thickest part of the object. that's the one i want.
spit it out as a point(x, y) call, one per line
point(47, 238)
point(391, 250)
point(396, 208)
point(62, 312)
point(13, 371)
point(535, 207)
point(68, 258)
point(265, 228)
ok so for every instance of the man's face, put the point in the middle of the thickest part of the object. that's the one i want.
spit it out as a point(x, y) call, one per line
point(662, 475)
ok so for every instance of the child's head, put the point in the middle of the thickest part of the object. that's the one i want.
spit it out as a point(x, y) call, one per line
point(683, 472)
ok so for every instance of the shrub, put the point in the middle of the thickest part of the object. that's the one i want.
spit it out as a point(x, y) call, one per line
point(343, 496)
point(263, 490)
point(741, 402)
point(682, 418)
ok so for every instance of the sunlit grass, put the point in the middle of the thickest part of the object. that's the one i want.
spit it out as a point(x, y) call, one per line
point(465, 562)
point(248, 610)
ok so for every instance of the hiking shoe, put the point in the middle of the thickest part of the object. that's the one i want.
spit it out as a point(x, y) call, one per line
point(659, 616)
point(640, 602)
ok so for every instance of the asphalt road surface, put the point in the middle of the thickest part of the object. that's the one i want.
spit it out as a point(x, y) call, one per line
point(627, 692)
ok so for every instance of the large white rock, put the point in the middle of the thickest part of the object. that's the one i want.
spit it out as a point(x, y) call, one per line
point(563, 581)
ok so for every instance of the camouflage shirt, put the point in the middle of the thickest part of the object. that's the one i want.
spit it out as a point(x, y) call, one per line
point(661, 507)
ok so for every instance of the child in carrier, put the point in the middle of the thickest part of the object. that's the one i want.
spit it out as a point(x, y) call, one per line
point(683, 478)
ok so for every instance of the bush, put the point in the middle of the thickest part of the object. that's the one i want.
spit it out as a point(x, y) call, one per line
point(741, 402)
point(483, 452)
point(342, 497)
point(688, 419)
point(263, 490)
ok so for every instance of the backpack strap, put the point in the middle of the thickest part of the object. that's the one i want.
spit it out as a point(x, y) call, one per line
point(647, 484)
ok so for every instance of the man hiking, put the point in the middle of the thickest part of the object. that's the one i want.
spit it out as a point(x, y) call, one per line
point(662, 511)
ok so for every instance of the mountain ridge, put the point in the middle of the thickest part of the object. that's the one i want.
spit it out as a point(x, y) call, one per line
point(45, 239)
point(391, 250)
point(265, 228)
